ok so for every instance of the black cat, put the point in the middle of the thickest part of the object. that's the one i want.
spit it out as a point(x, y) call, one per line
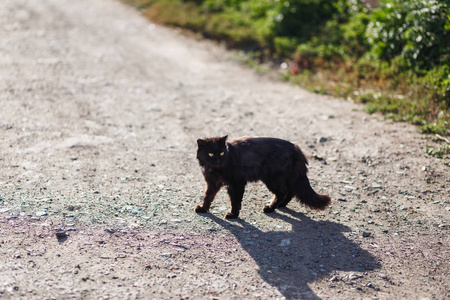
point(280, 164)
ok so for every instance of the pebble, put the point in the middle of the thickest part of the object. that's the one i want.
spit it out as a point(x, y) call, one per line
point(285, 242)
point(61, 233)
point(375, 185)
point(384, 276)
point(365, 234)
point(335, 278)
point(354, 276)
point(41, 213)
point(110, 230)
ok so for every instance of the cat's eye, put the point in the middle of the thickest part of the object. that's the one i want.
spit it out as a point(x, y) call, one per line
point(222, 153)
point(211, 154)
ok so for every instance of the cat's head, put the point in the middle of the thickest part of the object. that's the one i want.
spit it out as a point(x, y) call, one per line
point(212, 152)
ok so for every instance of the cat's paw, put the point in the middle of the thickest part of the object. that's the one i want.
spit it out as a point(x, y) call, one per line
point(200, 210)
point(230, 215)
point(267, 209)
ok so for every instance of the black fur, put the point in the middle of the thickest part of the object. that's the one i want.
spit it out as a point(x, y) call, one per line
point(280, 164)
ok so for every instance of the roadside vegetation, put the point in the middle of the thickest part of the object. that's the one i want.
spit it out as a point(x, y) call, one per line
point(391, 55)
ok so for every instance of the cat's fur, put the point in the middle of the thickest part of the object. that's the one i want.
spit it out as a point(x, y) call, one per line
point(280, 164)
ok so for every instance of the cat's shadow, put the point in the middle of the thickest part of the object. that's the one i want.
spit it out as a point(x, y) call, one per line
point(290, 260)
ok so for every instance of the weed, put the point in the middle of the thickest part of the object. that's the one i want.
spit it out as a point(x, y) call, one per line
point(441, 152)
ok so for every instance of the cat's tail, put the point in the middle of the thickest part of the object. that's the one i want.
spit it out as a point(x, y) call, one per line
point(303, 189)
point(309, 197)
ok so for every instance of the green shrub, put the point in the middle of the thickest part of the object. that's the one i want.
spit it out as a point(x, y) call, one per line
point(416, 30)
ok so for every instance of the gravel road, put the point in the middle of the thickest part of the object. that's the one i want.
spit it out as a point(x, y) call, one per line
point(100, 113)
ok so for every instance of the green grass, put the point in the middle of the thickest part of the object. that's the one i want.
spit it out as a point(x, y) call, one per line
point(331, 54)
point(441, 152)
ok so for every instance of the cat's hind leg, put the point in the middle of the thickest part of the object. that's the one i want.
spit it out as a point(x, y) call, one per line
point(280, 195)
point(286, 201)
point(289, 195)
point(276, 203)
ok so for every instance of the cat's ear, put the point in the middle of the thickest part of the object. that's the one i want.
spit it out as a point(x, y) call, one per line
point(201, 143)
point(224, 139)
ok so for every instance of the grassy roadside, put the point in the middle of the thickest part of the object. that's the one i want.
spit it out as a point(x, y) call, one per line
point(331, 55)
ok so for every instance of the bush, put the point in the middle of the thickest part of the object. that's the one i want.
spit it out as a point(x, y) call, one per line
point(417, 30)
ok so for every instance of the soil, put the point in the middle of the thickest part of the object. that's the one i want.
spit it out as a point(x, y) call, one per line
point(100, 113)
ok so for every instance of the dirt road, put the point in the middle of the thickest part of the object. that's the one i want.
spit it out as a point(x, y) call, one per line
point(100, 113)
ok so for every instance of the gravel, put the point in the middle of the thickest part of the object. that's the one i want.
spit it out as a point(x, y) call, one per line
point(100, 115)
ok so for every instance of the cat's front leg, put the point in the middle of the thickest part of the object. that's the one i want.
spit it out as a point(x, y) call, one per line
point(210, 193)
point(236, 192)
